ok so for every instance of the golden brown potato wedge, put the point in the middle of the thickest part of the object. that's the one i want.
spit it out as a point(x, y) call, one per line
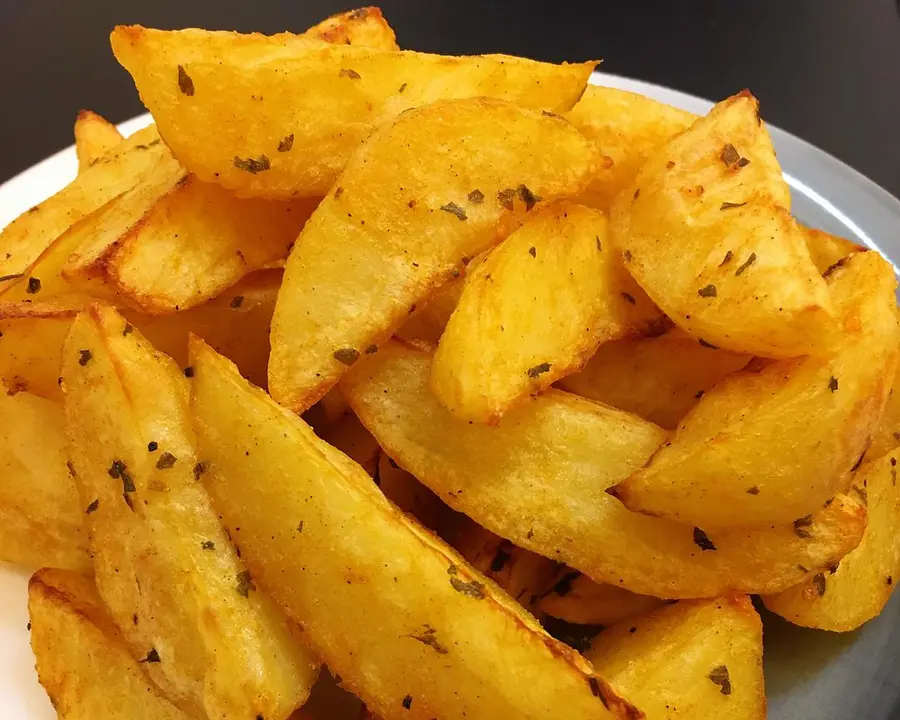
point(771, 445)
point(400, 223)
point(705, 228)
point(539, 478)
point(577, 599)
point(227, 104)
point(94, 137)
point(694, 660)
point(826, 249)
point(628, 128)
point(855, 591)
point(313, 526)
point(534, 311)
point(40, 513)
point(166, 569)
point(82, 660)
point(659, 378)
point(365, 26)
point(29, 235)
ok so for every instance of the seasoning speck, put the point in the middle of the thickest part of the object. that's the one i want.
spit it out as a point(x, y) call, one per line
point(407, 702)
point(252, 165)
point(244, 583)
point(729, 155)
point(84, 357)
point(746, 264)
point(166, 460)
point(527, 197)
point(454, 209)
point(818, 582)
point(286, 143)
point(93, 506)
point(701, 539)
point(208, 545)
point(346, 355)
point(731, 205)
point(185, 84)
point(506, 198)
point(539, 369)
point(532, 251)
point(476, 197)
point(801, 526)
point(719, 676)
point(349, 73)
point(152, 657)
point(833, 384)
point(708, 291)
point(237, 301)
point(753, 490)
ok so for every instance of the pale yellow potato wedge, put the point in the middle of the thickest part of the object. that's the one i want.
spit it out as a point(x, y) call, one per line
point(534, 311)
point(82, 660)
point(577, 599)
point(628, 128)
point(771, 445)
point(826, 249)
point(856, 590)
point(95, 136)
point(40, 512)
point(400, 223)
point(659, 378)
point(24, 240)
point(313, 526)
point(695, 660)
point(164, 566)
point(539, 478)
point(364, 26)
point(227, 104)
point(706, 230)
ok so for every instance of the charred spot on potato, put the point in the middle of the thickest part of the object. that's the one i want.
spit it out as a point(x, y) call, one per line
point(538, 370)
point(501, 557)
point(236, 301)
point(835, 267)
point(833, 384)
point(506, 198)
point(252, 165)
point(476, 197)
point(84, 357)
point(152, 657)
point(34, 286)
point(719, 676)
point(753, 490)
point(702, 541)
point(801, 526)
point(746, 264)
point(628, 297)
point(152, 446)
point(731, 205)
point(407, 702)
point(244, 583)
point(286, 143)
point(93, 506)
point(707, 291)
point(818, 582)
point(527, 197)
point(349, 73)
point(428, 637)
point(889, 581)
point(208, 545)
point(166, 460)
point(706, 344)
point(346, 356)
point(454, 209)
point(185, 83)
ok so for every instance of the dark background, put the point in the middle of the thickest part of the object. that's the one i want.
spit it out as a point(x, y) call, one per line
point(827, 70)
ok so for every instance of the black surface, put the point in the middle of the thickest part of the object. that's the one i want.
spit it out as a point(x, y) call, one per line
point(826, 70)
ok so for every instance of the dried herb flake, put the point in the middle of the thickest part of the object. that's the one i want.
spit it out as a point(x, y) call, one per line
point(428, 637)
point(701, 539)
point(708, 291)
point(93, 506)
point(538, 370)
point(833, 384)
point(819, 583)
point(532, 251)
point(152, 657)
point(454, 209)
point(347, 355)
point(719, 676)
point(407, 702)
point(476, 197)
point(166, 460)
point(185, 83)
point(753, 490)
point(729, 156)
point(527, 197)
point(506, 198)
point(236, 301)
point(747, 263)
point(252, 165)
point(208, 545)
point(801, 526)
point(727, 258)
point(349, 73)
point(473, 589)
point(84, 357)
point(244, 583)
point(286, 143)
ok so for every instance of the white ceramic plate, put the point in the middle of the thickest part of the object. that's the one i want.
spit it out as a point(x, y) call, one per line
point(808, 674)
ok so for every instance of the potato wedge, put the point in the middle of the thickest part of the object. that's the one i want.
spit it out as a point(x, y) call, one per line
point(369, 254)
point(94, 137)
point(705, 228)
point(856, 590)
point(365, 26)
point(40, 513)
point(227, 104)
point(628, 128)
point(313, 526)
point(826, 249)
point(539, 478)
point(695, 660)
point(535, 310)
point(163, 564)
point(887, 435)
point(577, 599)
point(771, 445)
point(24, 240)
point(82, 660)
point(659, 378)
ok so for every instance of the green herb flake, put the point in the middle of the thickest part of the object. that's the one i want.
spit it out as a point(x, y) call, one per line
point(719, 676)
point(407, 702)
point(349, 73)
point(286, 143)
point(702, 541)
point(208, 545)
point(84, 357)
point(347, 355)
point(833, 384)
point(527, 197)
point(818, 582)
point(708, 291)
point(532, 251)
point(185, 84)
point(506, 198)
point(802, 525)
point(152, 657)
point(747, 263)
point(252, 165)
point(731, 205)
point(454, 209)
point(428, 636)
point(538, 370)
point(473, 589)
point(476, 197)
point(166, 460)
point(93, 506)
point(236, 301)
point(244, 583)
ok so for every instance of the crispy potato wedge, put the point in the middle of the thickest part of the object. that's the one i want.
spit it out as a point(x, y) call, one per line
point(40, 513)
point(539, 478)
point(577, 599)
point(365, 26)
point(705, 228)
point(370, 253)
point(826, 249)
point(659, 378)
point(628, 128)
point(855, 591)
point(24, 240)
point(94, 137)
point(695, 660)
point(313, 525)
point(535, 310)
point(196, 241)
point(83, 662)
point(227, 104)
point(163, 564)
point(749, 453)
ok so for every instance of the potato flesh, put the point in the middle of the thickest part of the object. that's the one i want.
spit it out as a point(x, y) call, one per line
point(539, 478)
point(826, 249)
point(578, 599)
point(242, 103)
point(400, 224)
point(748, 455)
point(94, 137)
point(82, 660)
point(365, 26)
point(163, 564)
point(705, 229)
point(534, 311)
point(659, 378)
point(313, 526)
point(40, 513)
point(696, 660)
point(861, 585)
